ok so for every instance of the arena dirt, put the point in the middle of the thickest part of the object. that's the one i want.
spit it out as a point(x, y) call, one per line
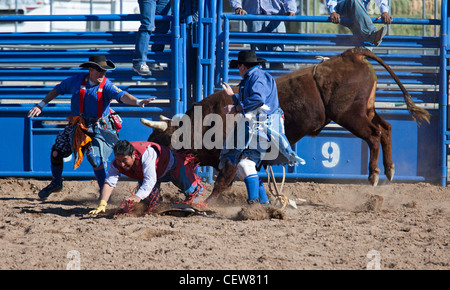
point(340, 226)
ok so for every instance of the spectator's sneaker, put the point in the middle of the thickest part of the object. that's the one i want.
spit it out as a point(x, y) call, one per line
point(142, 69)
point(379, 36)
point(155, 66)
point(276, 65)
point(49, 189)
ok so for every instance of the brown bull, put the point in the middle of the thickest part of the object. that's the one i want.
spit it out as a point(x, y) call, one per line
point(341, 89)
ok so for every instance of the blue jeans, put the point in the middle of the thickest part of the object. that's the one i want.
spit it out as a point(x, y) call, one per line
point(362, 26)
point(148, 10)
point(98, 151)
point(266, 27)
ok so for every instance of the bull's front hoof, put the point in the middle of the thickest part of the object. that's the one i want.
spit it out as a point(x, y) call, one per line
point(373, 179)
point(389, 172)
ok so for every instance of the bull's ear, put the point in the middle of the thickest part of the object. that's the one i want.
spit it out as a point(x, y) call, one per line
point(159, 125)
point(164, 118)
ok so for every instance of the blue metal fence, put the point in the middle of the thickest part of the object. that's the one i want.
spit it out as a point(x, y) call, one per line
point(335, 153)
point(444, 131)
point(32, 63)
point(198, 49)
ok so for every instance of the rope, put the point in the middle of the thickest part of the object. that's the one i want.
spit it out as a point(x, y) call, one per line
point(279, 196)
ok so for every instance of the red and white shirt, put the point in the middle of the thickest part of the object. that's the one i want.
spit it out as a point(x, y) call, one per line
point(152, 162)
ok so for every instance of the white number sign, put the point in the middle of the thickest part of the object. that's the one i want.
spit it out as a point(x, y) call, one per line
point(331, 152)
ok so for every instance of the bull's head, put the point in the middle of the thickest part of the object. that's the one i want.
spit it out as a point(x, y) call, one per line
point(165, 128)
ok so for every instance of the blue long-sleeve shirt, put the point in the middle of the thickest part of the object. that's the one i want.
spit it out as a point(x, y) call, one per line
point(270, 7)
point(256, 89)
point(383, 4)
point(72, 85)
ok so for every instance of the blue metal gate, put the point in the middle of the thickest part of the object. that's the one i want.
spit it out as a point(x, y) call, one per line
point(32, 63)
point(198, 49)
point(444, 129)
point(336, 153)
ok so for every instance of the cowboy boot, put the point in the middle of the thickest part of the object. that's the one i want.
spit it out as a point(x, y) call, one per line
point(55, 185)
point(252, 184)
point(263, 198)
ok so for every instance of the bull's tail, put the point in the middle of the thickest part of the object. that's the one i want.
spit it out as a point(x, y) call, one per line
point(416, 112)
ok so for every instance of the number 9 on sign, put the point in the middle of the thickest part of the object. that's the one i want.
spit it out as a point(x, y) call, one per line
point(331, 153)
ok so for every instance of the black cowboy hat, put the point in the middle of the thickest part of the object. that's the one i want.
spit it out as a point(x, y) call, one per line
point(99, 62)
point(246, 56)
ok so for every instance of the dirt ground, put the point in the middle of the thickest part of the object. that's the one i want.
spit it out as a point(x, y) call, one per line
point(339, 226)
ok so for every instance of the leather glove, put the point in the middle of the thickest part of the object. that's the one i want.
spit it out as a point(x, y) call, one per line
point(101, 208)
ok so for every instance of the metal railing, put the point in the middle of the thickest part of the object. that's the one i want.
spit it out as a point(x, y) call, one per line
point(415, 59)
point(31, 63)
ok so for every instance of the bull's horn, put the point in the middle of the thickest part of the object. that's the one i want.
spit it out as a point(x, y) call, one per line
point(159, 125)
point(322, 58)
point(164, 118)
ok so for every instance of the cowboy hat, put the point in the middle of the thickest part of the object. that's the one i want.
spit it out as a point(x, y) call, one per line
point(99, 62)
point(246, 56)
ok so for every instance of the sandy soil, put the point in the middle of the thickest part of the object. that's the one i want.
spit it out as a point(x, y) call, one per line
point(340, 226)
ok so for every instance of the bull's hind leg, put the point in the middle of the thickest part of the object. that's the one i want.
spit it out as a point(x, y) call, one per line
point(386, 145)
point(363, 128)
point(373, 137)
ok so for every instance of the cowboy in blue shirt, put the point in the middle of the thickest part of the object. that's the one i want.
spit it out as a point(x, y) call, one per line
point(90, 122)
point(258, 138)
point(362, 26)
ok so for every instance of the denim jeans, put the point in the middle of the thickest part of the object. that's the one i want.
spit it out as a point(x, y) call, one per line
point(98, 151)
point(362, 26)
point(266, 27)
point(104, 137)
point(148, 10)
